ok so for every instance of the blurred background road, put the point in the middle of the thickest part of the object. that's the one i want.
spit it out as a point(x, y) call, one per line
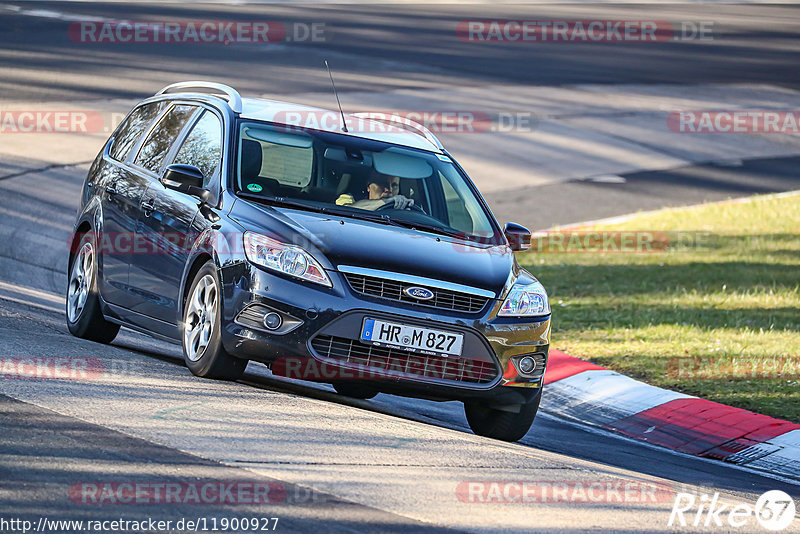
point(598, 111)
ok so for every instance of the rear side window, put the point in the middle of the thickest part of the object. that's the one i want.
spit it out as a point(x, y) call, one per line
point(203, 146)
point(158, 143)
point(286, 158)
point(289, 165)
point(132, 129)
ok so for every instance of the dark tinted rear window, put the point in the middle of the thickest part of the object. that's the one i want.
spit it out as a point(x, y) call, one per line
point(157, 145)
point(203, 146)
point(132, 129)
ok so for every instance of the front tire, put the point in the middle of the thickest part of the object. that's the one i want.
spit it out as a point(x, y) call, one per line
point(201, 330)
point(500, 424)
point(84, 318)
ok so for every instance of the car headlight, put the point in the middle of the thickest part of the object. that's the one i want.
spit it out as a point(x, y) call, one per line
point(287, 259)
point(525, 301)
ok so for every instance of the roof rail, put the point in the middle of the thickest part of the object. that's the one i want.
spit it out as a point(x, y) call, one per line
point(415, 127)
point(234, 98)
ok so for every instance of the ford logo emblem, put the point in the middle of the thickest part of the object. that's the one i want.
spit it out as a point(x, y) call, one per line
point(419, 293)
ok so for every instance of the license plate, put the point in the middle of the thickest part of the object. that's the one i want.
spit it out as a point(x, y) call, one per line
point(412, 338)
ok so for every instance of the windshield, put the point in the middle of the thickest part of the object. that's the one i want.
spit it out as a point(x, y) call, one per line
point(359, 178)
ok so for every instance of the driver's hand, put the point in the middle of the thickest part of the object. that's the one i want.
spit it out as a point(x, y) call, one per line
point(400, 202)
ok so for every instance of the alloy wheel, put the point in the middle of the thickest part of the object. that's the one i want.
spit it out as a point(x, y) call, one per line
point(201, 313)
point(80, 282)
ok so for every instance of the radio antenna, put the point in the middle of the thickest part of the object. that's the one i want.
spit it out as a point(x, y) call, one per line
point(344, 123)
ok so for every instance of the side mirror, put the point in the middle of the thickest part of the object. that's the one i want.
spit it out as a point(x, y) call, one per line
point(519, 237)
point(185, 179)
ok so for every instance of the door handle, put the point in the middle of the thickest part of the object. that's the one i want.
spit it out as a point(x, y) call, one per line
point(148, 207)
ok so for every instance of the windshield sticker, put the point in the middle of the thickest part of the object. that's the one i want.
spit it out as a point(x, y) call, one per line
point(255, 188)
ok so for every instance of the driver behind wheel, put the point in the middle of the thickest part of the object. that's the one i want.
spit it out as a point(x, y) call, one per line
point(381, 191)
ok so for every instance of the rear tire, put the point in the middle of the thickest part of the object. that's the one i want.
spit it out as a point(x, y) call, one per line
point(84, 318)
point(201, 329)
point(356, 391)
point(499, 424)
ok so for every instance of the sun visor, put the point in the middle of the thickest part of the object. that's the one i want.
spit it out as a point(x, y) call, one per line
point(396, 163)
point(279, 138)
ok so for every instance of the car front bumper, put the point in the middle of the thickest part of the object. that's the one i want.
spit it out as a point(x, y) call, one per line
point(314, 318)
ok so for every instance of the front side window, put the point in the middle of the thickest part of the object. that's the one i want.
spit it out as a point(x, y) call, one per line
point(354, 176)
point(203, 146)
point(132, 129)
point(160, 140)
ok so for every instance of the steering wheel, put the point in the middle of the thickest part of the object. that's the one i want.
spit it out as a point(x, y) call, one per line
point(413, 207)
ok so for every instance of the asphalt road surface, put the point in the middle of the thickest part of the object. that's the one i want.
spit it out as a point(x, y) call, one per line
point(332, 464)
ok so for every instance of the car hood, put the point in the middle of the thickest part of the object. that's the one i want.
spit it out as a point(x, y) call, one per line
point(371, 245)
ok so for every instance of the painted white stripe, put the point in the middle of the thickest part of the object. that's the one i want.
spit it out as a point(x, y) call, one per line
point(789, 439)
point(49, 14)
point(750, 454)
point(608, 179)
point(29, 291)
point(782, 461)
point(602, 397)
point(610, 433)
point(780, 454)
point(31, 303)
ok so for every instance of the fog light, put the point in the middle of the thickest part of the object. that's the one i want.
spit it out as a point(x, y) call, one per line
point(273, 321)
point(526, 365)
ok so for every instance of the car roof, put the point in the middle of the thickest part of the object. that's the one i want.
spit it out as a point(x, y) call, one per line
point(378, 127)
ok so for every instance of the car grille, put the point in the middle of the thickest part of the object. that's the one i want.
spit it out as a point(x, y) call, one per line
point(453, 368)
point(444, 299)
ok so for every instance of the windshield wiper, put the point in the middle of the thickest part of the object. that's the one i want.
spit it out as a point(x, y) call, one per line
point(385, 219)
point(281, 201)
point(289, 203)
point(367, 216)
point(433, 229)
